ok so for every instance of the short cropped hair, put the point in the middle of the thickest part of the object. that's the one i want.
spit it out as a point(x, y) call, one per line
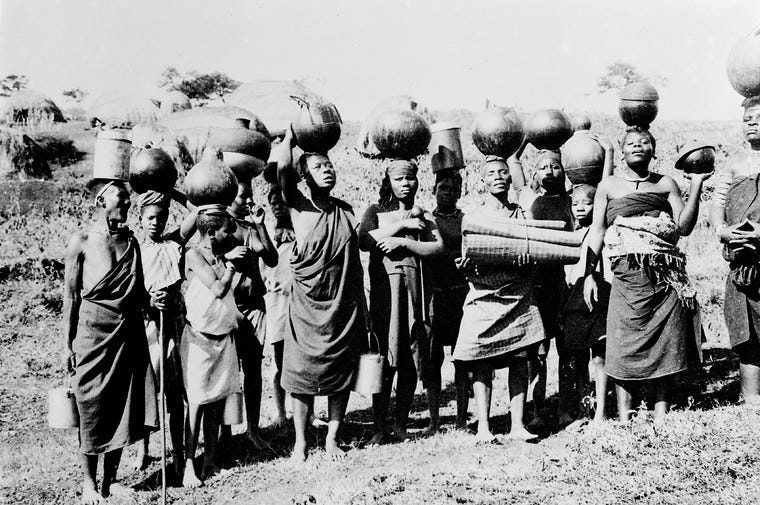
point(584, 190)
point(640, 131)
point(211, 222)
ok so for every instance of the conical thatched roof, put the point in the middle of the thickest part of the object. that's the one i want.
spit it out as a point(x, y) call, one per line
point(174, 101)
point(122, 108)
point(26, 104)
point(270, 101)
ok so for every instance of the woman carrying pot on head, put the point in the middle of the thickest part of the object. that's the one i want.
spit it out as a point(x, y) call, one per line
point(639, 217)
point(397, 234)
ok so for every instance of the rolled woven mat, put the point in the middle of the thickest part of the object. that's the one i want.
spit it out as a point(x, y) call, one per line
point(522, 229)
point(492, 250)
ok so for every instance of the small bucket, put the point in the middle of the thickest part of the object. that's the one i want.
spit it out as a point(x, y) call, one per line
point(233, 409)
point(62, 408)
point(369, 375)
point(113, 150)
point(445, 147)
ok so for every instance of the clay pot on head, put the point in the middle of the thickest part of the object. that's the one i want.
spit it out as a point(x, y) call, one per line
point(548, 129)
point(211, 181)
point(317, 127)
point(400, 134)
point(583, 159)
point(743, 67)
point(638, 104)
point(696, 158)
point(151, 168)
point(244, 151)
point(497, 132)
point(580, 122)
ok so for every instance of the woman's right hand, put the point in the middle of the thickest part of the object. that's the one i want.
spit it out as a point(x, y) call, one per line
point(239, 253)
point(729, 234)
point(590, 292)
point(413, 224)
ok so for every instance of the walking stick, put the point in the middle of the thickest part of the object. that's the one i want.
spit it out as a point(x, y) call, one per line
point(162, 402)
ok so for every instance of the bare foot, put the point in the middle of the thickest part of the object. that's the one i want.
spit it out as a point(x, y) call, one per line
point(521, 434)
point(256, 440)
point(118, 490)
point(486, 437)
point(400, 434)
point(280, 421)
point(377, 439)
point(209, 470)
point(430, 431)
point(537, 423)
point(333, 450)
point(299, 454)
point(598, 417)
point(190, 478)
point(564, 418)
point(90, 496)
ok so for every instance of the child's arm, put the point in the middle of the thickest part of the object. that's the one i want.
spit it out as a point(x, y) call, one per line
point(197, 264)
point(595, 241)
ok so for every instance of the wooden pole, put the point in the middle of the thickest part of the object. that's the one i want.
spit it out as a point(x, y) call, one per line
point(162, 401)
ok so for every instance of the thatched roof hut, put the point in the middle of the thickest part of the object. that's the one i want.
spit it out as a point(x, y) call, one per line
point(175, 101)
point(122, 109)
point(270, 101)
point(28, 104)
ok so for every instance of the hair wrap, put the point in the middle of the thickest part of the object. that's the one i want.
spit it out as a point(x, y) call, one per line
point(151, 197)
point(103, 190)
point(751, 101)
point(548, 154)
point(401, 165)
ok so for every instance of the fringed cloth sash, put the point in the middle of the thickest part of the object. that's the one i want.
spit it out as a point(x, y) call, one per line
point(643, 232)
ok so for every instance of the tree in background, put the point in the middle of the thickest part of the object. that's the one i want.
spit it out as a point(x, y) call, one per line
point(198, 86)
point(620, 74)
point(12, 83)
point(76, 94)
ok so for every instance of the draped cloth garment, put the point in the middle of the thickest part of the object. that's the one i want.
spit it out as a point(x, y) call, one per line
point(650, 334)
point(325, 314)
point(500, 318)
point(742, 304)
point(114, 386)
point(209, 359)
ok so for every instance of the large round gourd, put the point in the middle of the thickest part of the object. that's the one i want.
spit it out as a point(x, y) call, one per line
point(401, 134)
point(152, 168)
point(314, 132)
point(211, 181)
point(638, 104)
point(583, 159)
point(548, 129)
point(743, 66)
point(497, 131)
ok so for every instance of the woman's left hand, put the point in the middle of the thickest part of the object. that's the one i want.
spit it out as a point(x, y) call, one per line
point(257, 215)
point(698, 177)
point(390, 244)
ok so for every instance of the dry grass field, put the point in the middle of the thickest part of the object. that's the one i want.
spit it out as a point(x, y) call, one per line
point(708, 451)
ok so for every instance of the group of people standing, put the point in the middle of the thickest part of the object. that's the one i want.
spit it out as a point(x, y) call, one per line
point(629, 312)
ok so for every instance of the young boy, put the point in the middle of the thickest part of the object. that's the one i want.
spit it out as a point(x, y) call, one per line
point(163, 270)
point(249, 293)
point(584, 330)
point(209, 360)
point(277, 281)
point(449, 292)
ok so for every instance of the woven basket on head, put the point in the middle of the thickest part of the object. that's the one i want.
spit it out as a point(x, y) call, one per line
point(491, 250)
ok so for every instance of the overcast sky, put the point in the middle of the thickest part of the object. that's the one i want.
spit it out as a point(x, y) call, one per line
point(448, 54)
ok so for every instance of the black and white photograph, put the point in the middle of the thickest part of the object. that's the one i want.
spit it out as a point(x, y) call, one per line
point(377, 253)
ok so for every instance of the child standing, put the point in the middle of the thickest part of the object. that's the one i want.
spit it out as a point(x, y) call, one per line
point(277, 281)
point(209, 360)
point(585, 330)
point(449, 292)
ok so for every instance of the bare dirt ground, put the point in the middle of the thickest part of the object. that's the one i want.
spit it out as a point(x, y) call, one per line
point(707, 452)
